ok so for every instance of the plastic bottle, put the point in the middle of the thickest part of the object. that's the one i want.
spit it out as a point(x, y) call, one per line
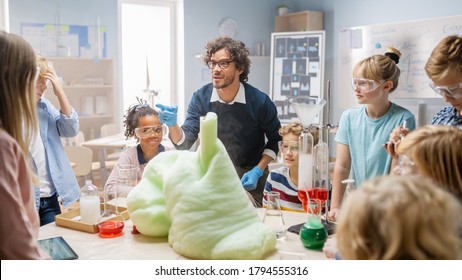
point(89, 203)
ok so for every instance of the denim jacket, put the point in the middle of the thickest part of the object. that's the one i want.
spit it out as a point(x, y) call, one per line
point(53, 125)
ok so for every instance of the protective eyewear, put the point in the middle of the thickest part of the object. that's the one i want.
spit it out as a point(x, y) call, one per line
point(286, 146)
point(146, 131)
point(453, 91)
point(364, 85)
point(223, 64)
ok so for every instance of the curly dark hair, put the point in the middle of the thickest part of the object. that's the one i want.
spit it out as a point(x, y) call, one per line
point(134, 113)
point(236, 49)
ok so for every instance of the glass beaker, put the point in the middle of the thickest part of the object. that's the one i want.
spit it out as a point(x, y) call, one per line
point(350, 186)
point(321, 172)
point(313, 233)
point(273, 214)
point(111, 223)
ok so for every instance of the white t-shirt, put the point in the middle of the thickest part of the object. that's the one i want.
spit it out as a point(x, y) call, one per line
point(37, 150)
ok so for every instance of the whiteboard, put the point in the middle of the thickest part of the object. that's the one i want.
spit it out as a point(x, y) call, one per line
point(414, 39)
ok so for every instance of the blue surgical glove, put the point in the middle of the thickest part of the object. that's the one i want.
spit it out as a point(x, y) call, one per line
point(250, 179)
point(167, 115)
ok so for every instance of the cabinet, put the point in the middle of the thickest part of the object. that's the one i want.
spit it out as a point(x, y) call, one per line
point(300, 21)
point(88, 85)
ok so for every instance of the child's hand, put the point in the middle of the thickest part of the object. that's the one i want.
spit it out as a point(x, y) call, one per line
point(53, 78)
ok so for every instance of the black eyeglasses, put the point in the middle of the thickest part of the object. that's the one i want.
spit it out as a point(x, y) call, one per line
point(223, 64)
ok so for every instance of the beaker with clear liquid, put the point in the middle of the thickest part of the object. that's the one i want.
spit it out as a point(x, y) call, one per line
point(273, 215)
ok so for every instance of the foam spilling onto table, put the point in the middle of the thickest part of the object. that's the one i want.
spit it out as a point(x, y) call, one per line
point(197, 200)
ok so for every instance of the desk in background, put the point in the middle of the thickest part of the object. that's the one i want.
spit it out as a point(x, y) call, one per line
point(116, 141)
point(138, 246)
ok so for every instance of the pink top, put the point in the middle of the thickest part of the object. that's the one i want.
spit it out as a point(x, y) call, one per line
point(19, 224)
point(133, 156)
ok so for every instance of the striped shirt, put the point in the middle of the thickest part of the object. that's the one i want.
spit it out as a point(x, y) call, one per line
point(448, 116)
point(279, 181)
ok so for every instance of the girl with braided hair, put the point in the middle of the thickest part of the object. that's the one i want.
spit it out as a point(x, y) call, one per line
point(142, 123)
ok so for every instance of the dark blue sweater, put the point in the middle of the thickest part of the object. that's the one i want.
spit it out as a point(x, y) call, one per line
point(241, 127)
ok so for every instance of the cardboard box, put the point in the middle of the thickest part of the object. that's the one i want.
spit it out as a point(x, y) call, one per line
point(299, 21)
point(71, 219)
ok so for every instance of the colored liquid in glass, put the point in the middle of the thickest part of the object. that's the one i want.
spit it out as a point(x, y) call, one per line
point(110, 228)
point(322, 194)
point(313, 237)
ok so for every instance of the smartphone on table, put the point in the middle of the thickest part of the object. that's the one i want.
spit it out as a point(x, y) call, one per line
point(57, 248)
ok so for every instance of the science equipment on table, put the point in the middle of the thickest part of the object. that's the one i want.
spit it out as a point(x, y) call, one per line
point(273, 215)
point(89, 203)
point(111, 223)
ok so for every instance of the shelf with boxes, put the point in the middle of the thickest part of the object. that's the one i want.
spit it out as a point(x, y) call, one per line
point(299, 21)
point(88, 85)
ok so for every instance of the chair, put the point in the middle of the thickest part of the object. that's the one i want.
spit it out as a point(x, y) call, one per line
point(108, 129)
point(73, 141)
point(83, 158)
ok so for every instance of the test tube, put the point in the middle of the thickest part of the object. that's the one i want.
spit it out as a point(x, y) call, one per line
point(404, 127)
point(350, 186)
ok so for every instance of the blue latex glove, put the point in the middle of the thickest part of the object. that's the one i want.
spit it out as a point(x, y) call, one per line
point(250, 179)
point(167, 115)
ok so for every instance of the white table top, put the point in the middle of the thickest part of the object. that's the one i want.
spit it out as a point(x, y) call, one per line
point(138, 246)
point(116, 141)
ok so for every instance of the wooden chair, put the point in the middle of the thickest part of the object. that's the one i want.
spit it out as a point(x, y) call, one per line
point(73, 141)
point(83, 159)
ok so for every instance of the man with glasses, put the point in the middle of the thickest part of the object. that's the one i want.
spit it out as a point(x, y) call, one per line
point(444, 68)
point(247, 118)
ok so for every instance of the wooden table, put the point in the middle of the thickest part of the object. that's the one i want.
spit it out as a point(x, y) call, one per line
point(116, 141)
point(137, 246)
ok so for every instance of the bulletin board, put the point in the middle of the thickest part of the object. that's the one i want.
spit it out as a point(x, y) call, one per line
point(414, 39)
point(53, 40)
point(297, 68)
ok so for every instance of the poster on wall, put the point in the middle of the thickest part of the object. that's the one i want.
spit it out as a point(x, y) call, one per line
point(53, 40)
point(297, 69)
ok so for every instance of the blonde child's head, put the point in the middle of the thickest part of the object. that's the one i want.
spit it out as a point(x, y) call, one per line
point(380, 68)
point(400, 217)
point(435, 151)
point(446, 57)
point(288, 146)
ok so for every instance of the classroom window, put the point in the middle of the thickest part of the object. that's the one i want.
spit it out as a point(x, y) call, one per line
point(147, 43)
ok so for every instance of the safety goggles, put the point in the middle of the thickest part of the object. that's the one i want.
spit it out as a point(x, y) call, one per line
point(452, 91)
point(364, 85)
point(286, 146)
point(146, 131)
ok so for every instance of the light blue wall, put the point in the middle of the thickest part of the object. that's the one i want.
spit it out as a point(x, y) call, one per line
point(255, 19)
point(81, 12)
